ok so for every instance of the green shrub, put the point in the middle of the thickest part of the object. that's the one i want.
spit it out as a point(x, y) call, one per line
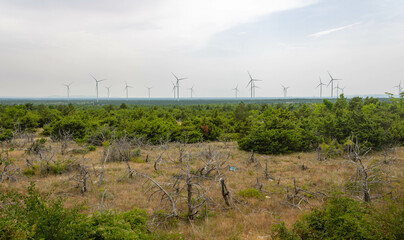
point(6, 134)
point(251, 193)
point(91, 148)
point(344, 218)
point(36, 216)
point(29, 172)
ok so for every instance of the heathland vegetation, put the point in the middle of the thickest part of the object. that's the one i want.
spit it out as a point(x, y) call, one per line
point(330, 170)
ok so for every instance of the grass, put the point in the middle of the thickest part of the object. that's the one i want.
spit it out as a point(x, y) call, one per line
point(250, 220)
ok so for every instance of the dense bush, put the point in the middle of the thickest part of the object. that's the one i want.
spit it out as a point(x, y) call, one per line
point(277, 131)
point(344, 218)
point(37, 216)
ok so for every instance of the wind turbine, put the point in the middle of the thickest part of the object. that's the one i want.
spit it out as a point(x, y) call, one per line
point(285, 90)
point(251, 84)
point(338, 88)
point(321, 84)
point(236, 90)
point(96, 84)
point(178, 85)
point(148, 89)
point(191, 90)
point(174, 88)
point(126, 88)
point(68, 90)
point(399, 88)
point(332, 83)
point(108, 90)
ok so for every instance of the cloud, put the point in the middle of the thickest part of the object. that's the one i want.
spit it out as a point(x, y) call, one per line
point(332, 30)
point(149, 24)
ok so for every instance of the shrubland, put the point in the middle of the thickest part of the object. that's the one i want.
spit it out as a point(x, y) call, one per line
point(332, 170)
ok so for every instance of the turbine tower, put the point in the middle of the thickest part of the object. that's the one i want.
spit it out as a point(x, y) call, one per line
point(96, 84)
point(126, 88)
point(178, 85)
point(191, 90)
point(252, 84)
point(254, 87)
point(400, 88)
point(332, 83)
point(321, 84)
point(236, 90)
point(108, 90)
point(174, 88)
point(148, 90)
point(338, 88)
point(68, 90)
point(285, 91)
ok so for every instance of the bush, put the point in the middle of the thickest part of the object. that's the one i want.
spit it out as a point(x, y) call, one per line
point(344, 218)
point(91, 148)
point(6, 134)
point(36, 216)
point(251, 193)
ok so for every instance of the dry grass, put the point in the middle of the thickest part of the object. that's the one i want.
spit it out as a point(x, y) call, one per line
point(251, 220)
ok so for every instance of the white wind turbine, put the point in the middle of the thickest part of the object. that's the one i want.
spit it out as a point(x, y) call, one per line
point(178, 85)
point(68, 90)
point(338, 88)
point(332, 83)
point(108, 90)
point(148, 90)
point(191, 90)
point(285, 91)
point(400, 88)
point(127, 88)
point(252, 84)
point(96, 84)
point(321, 84)
point(343, 90)
point(236, 90)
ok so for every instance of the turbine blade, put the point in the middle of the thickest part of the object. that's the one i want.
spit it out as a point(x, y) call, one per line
point(330, 75)
point(249, 75)
point(93, 77)
point(174, 76)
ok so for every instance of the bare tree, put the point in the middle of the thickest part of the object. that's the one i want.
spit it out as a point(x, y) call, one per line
point(294, 197)
point(82, 176)
point(367, 171)
point(8, 169)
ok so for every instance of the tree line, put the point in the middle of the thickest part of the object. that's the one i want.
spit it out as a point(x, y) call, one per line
point(262, 128)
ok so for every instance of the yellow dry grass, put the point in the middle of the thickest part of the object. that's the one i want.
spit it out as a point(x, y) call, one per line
point(251, 220)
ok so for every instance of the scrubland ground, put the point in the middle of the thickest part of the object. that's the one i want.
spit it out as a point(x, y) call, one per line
point(259, 198)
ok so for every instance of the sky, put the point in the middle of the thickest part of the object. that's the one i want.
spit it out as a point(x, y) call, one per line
point(45, 44)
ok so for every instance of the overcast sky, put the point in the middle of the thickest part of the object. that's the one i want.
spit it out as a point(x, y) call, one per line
point(44, 44)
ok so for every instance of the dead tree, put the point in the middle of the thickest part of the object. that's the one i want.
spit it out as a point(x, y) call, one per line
point(294, 197)
point(213, 161)
point(158, 188)
point(9, 169)
point(158, 160)
point(366, 174)
point(106, 154)
point(82, 176)
point(251, 159)
point(266, 173)
point(226, 194)
point(63, 137)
